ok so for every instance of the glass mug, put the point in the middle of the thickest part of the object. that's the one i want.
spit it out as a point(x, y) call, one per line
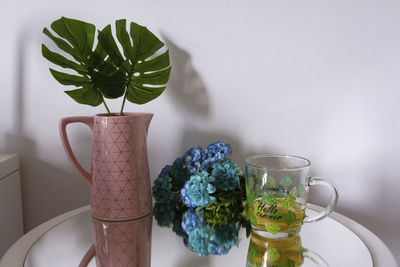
point(277, 191)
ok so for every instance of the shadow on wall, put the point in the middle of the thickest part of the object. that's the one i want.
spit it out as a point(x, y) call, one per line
point(189, 95)
point(185, 87)
point(47, 190)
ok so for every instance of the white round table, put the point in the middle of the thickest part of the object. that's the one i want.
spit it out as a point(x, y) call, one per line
point(64, 240)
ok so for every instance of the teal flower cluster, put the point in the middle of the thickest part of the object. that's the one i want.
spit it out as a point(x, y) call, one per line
point(178, 172)
point(197, 191)
point(200, 197)
point(162, 189)
point(226, 175)
point(206, 240)
point(164, 213)
point(200, 240)
point(164, 208)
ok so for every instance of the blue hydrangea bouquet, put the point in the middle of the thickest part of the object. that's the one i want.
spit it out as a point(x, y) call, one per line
point(202, 197)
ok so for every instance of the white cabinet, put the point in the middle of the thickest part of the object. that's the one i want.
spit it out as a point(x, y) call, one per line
point(11, 224)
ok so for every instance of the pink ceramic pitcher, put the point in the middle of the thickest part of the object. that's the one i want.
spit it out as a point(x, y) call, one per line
point(119, 173)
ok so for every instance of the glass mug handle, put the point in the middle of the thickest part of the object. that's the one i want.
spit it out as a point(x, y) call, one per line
point(332, 202)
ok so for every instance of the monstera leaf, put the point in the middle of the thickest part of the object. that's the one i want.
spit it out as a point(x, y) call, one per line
point(76, 38)
point(145, 68)
point(140, 75)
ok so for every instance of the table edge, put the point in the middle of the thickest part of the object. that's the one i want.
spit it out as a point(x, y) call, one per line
point(15, 255)
point(372, 241)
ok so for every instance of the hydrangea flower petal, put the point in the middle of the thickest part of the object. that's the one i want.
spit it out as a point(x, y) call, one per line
point(164, 213)
point(193, 159)
point(226, 175)
point(177, 171)
point(191, 219)
point(165, 171)
point(227, 235)
point(162, 189)
point(200, 240)
point(196, 191)
point(216, 152)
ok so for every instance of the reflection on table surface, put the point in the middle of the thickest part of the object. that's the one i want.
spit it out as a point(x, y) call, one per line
point(125, 243)
point(283, 252)
point(327, 242)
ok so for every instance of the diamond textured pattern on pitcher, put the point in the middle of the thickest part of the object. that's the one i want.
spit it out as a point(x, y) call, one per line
point(120, 168)
point(123, 244)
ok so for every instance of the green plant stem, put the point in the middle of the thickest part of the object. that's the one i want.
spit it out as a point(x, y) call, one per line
point(108, 111)
point(123, 104)
point(125, 95)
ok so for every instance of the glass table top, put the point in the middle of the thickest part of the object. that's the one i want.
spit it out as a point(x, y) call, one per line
point(326, 243)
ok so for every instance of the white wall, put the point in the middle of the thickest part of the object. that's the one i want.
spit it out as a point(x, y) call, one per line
point(313, 78)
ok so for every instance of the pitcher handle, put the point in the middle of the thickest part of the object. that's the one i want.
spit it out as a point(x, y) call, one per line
point(67, 147)
point(90, 254)
point(332, 203)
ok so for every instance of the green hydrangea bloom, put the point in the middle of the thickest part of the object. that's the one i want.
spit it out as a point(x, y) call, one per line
point(226, 175)
point(164, 213)
point(162, 189)
point(178, 173)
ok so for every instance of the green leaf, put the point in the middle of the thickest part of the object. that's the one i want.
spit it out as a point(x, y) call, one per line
point(259, 208)
point(300, 190)
point(293, 192)
point(111, 85)
point(226, 208)
point(269, 199)
point(153, 78)
point(252, 253)
point(250, 197)
point(253, 218)
point(138, 72)
point(302, 218)
point(157, 63)
point(146, 78)
point(289, 263)
point(275, 215)
point(271, 183)
point(273, 255)
point(288, 201)
point(141, 94)
point(86, 95)
point(79, 34)
point(62, 61)
point(258, 191)
point(279, 194)
point(124, 40)
point(290, 217)
point(272, 228)
point(251, 181)
point(147, 44)
point(99, 77)
point(108, 43)
point(63, 45)
point(96, 59)
point(286, 181)
point(68, 79)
